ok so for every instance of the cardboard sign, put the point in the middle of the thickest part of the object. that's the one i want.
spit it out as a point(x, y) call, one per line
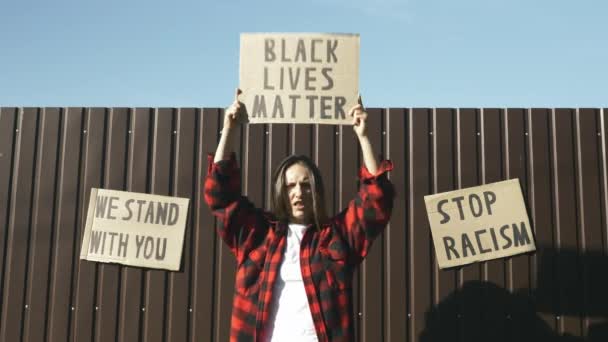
point(299, 77)
point(135, 229)
point(479, 223)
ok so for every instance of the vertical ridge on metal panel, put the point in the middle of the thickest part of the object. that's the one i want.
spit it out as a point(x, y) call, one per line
point(372, 267)
point(108, 283)
point(155, 299)
point(518, 268)
point(604, 175)
point(8, 120)
point(541, 213)
point(604, 192)
point(595, 300)
point(566, 219)
point(41, 225)
point(443, 147)
point(64, 256)
point(347, 187)
point(324, 142)
point(468, 156)
point(18, 229)
point(254, 163)
point(302, 139)
point(204, 267)
point(277, 150)
point(419, 232)
point(91, 176)
point(183, 181)
point(494, 305)
point(132, 278)
point(225, 260)
point(443, 180)
point(396, 311)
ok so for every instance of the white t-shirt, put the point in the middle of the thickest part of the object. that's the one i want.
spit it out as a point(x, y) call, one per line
point(290, 317)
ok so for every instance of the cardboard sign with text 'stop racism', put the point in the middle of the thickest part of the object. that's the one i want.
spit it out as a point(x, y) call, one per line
point(299, 77)
point(135, 229)
point(479, 223)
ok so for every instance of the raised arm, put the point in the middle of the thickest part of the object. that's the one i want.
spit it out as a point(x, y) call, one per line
point(360, 126)
point(369, 212)
point(242, 226)
point(231, 117)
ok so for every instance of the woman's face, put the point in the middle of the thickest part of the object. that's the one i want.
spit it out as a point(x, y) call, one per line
point(299, 194)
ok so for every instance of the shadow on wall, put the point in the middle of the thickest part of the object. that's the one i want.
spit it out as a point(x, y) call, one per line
point(569, 285)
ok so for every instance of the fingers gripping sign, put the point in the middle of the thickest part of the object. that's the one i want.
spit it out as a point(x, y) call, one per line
point(236, 112)
point(359, 116)
point(359, 121)
point(233, 115)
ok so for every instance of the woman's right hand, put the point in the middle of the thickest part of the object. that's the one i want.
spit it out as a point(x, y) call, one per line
point(232, 115)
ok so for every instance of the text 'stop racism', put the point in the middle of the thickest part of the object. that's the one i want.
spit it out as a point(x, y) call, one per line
point(479, 223)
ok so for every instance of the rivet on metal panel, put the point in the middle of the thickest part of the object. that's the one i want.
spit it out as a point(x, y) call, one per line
point(17, 130)
point(526, 133)
point(85, 131)
point(478, 133)
point(266, 132)
point(558, 318)
point(96, 308)
point(190, 309)
point(174, 132)
point(409, 315)
point(26, 306)
point(599, 134)
point(360, 314)
point(430, 133)
point(337, 133)
point(129, 131)
point(72, 308)
point(143, 309)
point(383, 132)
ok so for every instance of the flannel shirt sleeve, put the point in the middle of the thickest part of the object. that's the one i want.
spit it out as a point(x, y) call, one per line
point(369, 212)
point(241, 225)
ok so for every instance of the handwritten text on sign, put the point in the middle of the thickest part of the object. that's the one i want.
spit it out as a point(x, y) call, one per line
point(479, 223)
point(135, 229)
point(299, 78)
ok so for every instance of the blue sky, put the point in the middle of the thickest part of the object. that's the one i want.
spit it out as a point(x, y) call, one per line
point(414, 53)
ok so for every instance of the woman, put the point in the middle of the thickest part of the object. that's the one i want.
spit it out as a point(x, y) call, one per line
point(294, 264)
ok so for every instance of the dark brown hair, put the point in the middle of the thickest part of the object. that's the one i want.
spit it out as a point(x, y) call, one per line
point(278, 199)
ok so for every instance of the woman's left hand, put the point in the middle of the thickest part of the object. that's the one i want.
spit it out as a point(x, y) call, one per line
point(359, 116)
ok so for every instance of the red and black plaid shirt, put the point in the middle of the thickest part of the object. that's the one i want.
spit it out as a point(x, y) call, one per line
point(328, 256)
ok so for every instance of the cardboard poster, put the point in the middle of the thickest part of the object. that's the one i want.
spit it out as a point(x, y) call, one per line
point(299, 77)
point(479, 223)
point(135, 229)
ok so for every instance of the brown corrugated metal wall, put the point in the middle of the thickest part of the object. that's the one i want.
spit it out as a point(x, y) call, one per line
point(51, 157)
